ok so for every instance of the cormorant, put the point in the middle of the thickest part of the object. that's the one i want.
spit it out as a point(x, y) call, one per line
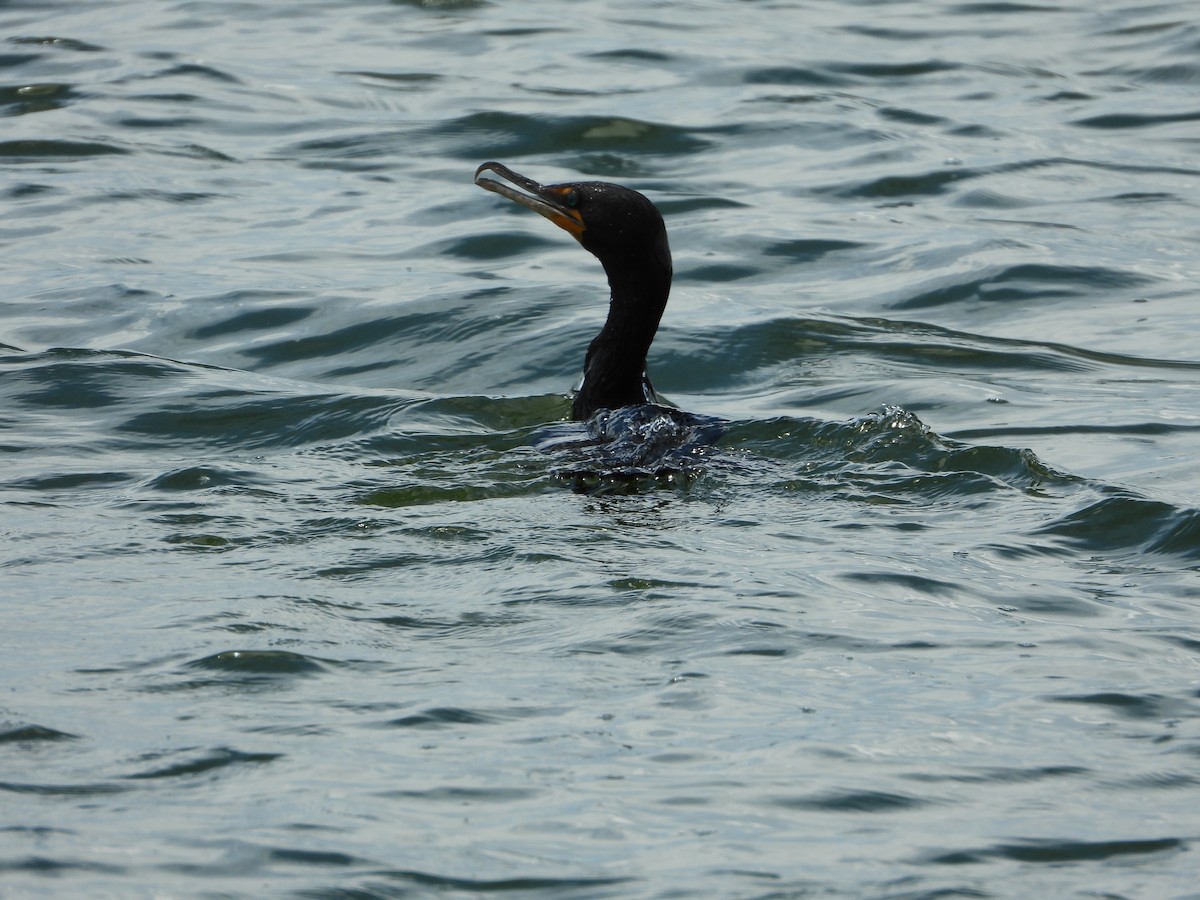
point(626, 233)
point(628, 436)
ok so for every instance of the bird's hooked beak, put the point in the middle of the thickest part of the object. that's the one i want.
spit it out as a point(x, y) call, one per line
point(550, 201)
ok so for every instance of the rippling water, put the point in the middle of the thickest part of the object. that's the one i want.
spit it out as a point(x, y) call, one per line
point(296, 603)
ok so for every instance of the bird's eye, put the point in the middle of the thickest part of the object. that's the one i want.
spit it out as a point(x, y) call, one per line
point(571, 198)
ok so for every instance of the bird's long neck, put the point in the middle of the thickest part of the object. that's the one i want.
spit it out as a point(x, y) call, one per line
point(615, 366)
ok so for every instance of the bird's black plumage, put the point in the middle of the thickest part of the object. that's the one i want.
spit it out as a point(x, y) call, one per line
point(625, 231)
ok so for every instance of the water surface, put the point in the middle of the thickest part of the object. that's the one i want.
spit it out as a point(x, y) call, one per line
point(292, 603)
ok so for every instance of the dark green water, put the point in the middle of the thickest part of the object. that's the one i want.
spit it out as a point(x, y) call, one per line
point(292, 605)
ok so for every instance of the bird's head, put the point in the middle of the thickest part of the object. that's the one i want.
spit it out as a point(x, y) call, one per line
point(616, 224)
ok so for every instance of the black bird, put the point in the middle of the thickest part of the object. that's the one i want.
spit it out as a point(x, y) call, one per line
point(628, 436)
point(626, 233)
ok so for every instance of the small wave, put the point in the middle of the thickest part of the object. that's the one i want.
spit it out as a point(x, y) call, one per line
point(34, 98)
point(463, 795)
point(251, 319)
point(43, 866)
point(155, 400)
point(1133, 524)
point(892, 72)
point(529, 885)
point(852, 801)
point(1002, 7)
point(33, 734)
point(891, 456)
point(1026, 281)
point(197, 70)
point(442, 5)
point(442, 717)
point(405, 81)
point(219, 758)
point(57, 43)
point(260, 662)
point(1110, 121)
point(32, 149)
point(1056, 852)
point(45, 789)
point(503, 134)
point(795, 76)
point(1001, 775)
point(1155, 707)
point(1185, 73)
